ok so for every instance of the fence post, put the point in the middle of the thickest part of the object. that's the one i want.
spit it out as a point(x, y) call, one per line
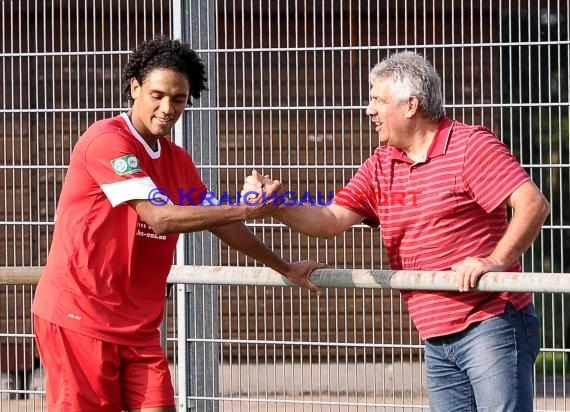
point(200, 137)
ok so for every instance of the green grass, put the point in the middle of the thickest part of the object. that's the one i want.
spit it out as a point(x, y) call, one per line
point(549, 362)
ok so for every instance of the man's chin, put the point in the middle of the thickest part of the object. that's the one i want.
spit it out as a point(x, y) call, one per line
point(162, 131)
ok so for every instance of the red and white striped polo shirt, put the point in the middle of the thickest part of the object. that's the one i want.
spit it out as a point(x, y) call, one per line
point(438, 212)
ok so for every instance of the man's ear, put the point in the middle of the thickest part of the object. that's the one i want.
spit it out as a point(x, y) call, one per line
point(413, 106)
point(135, 88)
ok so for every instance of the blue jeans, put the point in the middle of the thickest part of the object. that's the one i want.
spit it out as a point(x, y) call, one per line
point(487, 367)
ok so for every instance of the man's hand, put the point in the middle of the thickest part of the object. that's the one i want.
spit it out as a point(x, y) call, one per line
point(300, 273)
point(471, 269)
point(261, 195)
point(257, 183)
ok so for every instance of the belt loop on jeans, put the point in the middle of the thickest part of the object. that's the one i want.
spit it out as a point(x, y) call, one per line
point(509, 307)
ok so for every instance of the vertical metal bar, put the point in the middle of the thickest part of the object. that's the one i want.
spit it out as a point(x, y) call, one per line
point(4, 63)
point(198, 28)
point(562, 113)
point(177, 136)
point(182, 365)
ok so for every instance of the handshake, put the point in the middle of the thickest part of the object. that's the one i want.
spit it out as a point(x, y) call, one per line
point(266, 195)
point(257, 186)
point(261, 190)
point(262, 196)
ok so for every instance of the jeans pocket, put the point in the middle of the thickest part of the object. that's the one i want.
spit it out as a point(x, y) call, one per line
point(532, 327)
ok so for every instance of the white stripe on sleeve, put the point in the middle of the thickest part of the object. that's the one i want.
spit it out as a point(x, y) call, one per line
point(131, 189)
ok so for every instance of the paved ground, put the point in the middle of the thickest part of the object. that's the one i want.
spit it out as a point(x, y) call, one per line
point(306, 404)
point(252, 391)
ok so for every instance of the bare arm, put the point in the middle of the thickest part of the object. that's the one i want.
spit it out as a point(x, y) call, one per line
point(225, 222)
point(319, 221)
point(182, 219)
point(530, 211)
point(241, 238)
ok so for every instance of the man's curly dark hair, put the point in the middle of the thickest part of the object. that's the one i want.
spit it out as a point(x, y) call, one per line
point(164, 53)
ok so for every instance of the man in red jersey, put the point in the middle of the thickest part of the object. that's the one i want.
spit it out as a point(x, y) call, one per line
point(440, 189)
point(100, 301)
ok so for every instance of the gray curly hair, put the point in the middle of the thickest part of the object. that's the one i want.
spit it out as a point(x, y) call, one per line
point(412, 75)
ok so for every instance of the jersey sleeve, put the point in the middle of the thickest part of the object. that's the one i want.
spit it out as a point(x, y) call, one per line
point(112, 162)
point(359, 194)
point(491, 173)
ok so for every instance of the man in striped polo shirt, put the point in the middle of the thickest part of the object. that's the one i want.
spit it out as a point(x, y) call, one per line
point(440, 189)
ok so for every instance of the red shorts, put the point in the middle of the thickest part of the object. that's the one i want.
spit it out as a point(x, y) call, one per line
point(88, 374)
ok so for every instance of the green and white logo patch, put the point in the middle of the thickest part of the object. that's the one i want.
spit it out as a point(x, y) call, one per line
point(125, 165)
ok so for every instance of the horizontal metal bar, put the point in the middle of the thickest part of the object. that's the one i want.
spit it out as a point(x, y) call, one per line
point(20, 275)
point(33, 167)
point(337, 278)
point(305, 343)
point(28, 223)
point(285, 49)
point(38, 54)
point(271, 166)
point(320, 403)
point(289, 108)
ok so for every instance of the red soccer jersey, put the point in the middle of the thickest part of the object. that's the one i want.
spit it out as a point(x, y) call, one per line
point(106, 272)
point(438, 212)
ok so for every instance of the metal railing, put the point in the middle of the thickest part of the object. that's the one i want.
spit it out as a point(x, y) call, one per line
point(337, 278)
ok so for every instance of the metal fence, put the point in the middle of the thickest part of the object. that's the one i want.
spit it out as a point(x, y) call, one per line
point(287, 92)
point(224, 364)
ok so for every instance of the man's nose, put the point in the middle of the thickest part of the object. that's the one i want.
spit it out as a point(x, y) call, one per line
point(166, 106)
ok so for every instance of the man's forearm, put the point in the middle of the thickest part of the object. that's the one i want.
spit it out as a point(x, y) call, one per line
point(316, 221)
point(312, 220)
point(182, 219)
point(239, 237)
